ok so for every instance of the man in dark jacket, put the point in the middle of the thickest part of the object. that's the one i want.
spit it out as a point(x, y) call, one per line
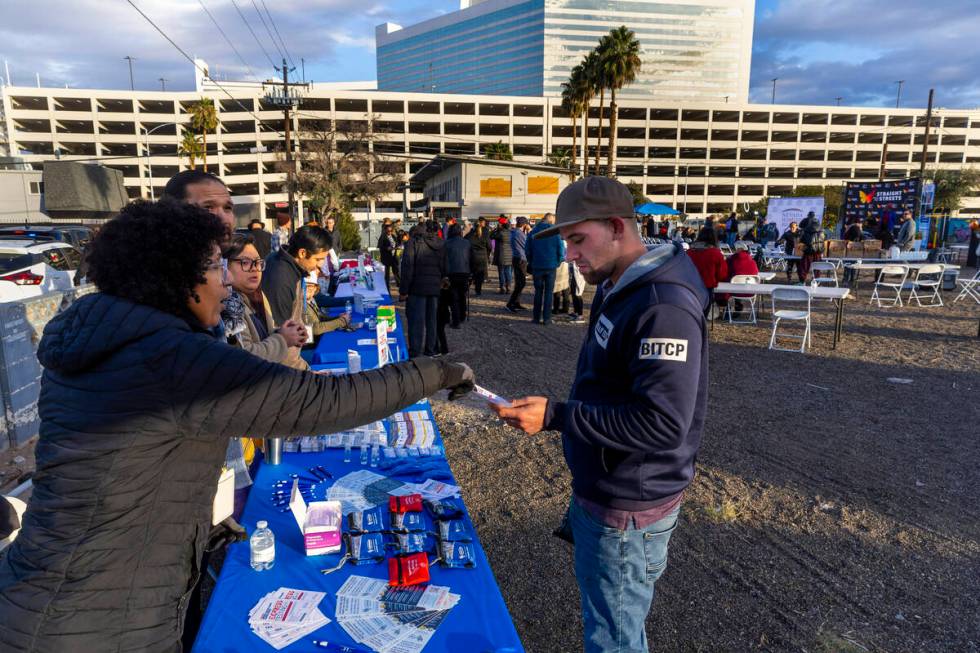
point(503, 256)
point(632, 424)
point(789, 239)
point(544, 254)
point(423, 270)
point(906, 232)
point(518, 243)
point(284, 280)
point(261, 237)
point(457, 251)
point(813, 244)
point(388, 246)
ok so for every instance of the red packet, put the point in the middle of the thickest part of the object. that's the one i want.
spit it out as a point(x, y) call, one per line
point(408, 570)
point(406, 503)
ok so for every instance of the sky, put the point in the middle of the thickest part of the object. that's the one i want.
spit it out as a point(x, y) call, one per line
point(818, 49)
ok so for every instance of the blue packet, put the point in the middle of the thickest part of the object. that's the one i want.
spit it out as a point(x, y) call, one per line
point(406, 522)
point(457, 555)
point(367, 521)
point(454, 530)
point(407, 543)
point(366, 549)
point(450, 508)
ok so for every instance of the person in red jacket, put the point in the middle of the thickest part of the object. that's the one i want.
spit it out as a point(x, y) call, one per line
point(709, 261)
point(741, 262)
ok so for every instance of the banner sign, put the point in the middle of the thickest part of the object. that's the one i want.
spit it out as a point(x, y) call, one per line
point(885, 201)
point(783, 210)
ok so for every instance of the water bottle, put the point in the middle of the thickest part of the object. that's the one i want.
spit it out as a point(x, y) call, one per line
point(262, 547)
point(347, 439)
point(348, 310)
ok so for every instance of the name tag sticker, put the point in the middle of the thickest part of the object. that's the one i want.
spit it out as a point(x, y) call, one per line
point(663, 349)
point(603, 329)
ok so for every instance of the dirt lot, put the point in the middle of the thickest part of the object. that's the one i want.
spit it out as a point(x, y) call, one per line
point(833, 510)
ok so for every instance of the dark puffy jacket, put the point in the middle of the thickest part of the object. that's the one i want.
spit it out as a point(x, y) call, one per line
point(136, 410)
point(457, 252)
point(479, 252)
point(544, 253)
point(813, 237)
point(423, 265)
point(503, 255)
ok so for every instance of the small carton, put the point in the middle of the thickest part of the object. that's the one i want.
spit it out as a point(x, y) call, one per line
point(386, 314)
point(319, 521)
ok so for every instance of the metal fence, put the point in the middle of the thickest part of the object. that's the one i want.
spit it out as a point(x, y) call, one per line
point(21, 326)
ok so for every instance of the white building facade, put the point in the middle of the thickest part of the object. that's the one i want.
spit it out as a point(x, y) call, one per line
point(701, 157)
point(693, 50)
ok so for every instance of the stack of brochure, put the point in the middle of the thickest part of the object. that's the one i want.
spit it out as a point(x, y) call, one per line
point(392, 619)
point(286, 615)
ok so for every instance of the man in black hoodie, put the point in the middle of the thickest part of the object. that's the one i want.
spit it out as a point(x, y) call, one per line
point(423, 269)
point(632, 424)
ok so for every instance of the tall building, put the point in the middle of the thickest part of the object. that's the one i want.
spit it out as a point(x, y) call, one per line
point(701, 157)
point(696, 50)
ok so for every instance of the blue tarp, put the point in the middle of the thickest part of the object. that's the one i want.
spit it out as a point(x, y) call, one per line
point(652, 208)
point(479, 623)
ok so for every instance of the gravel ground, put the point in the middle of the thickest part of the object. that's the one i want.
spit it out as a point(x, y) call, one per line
point(833, 509)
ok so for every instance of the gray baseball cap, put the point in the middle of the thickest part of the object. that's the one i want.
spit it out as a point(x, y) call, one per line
point(591, 198)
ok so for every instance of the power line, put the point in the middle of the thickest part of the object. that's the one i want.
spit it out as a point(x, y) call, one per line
point(292, 63)
point(268, 31)
point(228, 41)
point(245, 20)
point(202, 70)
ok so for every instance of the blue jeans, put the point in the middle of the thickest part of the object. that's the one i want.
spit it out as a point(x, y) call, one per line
point(616, 572)
point(506, 274)
point(544, 288)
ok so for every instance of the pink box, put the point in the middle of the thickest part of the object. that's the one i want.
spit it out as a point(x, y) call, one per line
point(319, 521)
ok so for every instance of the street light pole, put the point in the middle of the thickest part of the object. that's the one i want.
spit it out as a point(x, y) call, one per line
point(898, 98)
point(774, 89)
point(839, 98)
point(149, 161)
point(163, 84)
point(130, 59)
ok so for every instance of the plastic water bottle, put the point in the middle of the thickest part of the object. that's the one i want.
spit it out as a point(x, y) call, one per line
point(262, 546)
point(347, 439)
point(348, 310)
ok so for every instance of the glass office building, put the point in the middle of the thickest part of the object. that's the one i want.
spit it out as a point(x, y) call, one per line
point(692, 49)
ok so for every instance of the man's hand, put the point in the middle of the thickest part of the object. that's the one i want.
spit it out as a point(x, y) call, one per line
point(294, 332)
point(343, 322)
point(526, 413)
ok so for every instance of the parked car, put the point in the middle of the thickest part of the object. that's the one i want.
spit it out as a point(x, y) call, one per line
point(75, 235)
point(29, 268)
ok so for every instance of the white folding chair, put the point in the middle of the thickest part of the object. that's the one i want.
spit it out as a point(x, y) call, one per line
point(827, 276)
point(730, 307)
point(791, 304)
point(928, 278)
point(893, 278)
point(971, 288)
point(725, 249)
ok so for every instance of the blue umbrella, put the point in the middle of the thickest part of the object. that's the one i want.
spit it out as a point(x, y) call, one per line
point(652, 208)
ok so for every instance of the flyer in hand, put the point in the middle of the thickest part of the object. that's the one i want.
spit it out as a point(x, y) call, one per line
point(392, 619)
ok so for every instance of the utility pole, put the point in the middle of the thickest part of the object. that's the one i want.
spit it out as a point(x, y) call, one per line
point(884, 157)
point(925, 151)
point(163, 84)
point(774, 79)
point(284, 95)
point(898, 98)
point(839, 98)
point(302, 63)
point(130, 59)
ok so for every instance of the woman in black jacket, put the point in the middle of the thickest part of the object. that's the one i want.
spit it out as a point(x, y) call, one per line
point(138, 402)
point(479, 254)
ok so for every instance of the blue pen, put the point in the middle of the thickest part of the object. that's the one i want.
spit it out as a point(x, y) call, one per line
point(339, 648)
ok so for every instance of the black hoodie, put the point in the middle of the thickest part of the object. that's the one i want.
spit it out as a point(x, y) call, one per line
point(423, 265)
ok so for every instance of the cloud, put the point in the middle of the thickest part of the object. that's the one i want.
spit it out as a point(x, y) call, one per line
point(821, 49)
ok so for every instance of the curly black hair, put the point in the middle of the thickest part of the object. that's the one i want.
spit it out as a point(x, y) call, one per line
point(155, 253)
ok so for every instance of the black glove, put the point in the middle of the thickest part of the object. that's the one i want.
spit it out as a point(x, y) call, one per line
point(458, 378)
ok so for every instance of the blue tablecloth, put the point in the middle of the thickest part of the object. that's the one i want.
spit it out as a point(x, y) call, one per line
point(479, 623)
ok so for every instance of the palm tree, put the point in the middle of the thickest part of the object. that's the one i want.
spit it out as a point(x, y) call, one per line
point(499, 151)
point(621, 65)
point(191, 148)
point(573, 100)
point(589, 65)
point(204, 118)
point(560, 157)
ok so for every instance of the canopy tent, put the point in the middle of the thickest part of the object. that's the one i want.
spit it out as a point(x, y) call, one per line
point(652, 208)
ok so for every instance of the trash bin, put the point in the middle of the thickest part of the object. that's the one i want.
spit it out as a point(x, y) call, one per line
point(949, 279)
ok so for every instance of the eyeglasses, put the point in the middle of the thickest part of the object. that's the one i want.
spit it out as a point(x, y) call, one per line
point(221, 264)
point(249, 264)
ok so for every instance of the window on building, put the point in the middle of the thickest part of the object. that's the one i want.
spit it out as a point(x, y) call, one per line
point(661, 171)
point(461, 149)
point(629, 152)
point(755, 136)
point(783, 137)
point(423, 128)
point(744, 190)
point(663, 114)
point(755, 116)
point(813, 137)
point(815, 118)
point(693, 153)
point(870, 137)
point(459, 128)
point(872, 155)
point(37, 187)
point(660, 189)
point(725, 116)
point(528, 130)
point(870, 119)
point(956, 123)
point(631, 132)
point(694, 134)
point(528, 111)
point(561, 131)
point(722, 171)
point(785, 118)
point(632, 113)
point(781, 172)
point(360, 106)
point(901, 121)
point(495, 129)
point(750, 171)
point(843, 119)
point(810, 173)
point(724, 153)
point(714, 189)
point(749, 153)
point(459, 108)
point(423, 107)
point(840, 155)
point(487, 109)
point(811, 155)
point(524, 149)
point(662, 152)
point(777, 154)
point(629, 171)
point(663, 133)
point(383, 106)
point(694, 115)
point(724, 134)
point(424, 148)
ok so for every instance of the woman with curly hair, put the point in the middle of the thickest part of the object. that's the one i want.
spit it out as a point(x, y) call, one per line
point(138, 401)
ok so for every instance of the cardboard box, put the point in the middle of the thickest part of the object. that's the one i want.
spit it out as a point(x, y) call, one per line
point(387, 315)
point(319, 521)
